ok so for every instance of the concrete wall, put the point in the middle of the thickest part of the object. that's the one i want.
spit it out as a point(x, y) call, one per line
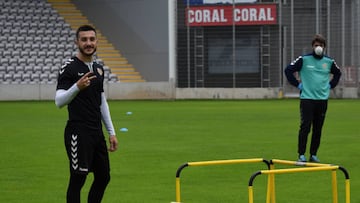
point(159, 90)
point(138, 28)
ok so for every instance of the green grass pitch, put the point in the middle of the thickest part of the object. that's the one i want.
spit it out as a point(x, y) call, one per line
point(165, 134)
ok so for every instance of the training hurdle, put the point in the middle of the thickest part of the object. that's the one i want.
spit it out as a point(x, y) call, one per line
point(208, 163)
point(311, 167)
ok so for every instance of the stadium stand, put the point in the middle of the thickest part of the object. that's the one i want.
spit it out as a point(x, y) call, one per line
point(37, 36)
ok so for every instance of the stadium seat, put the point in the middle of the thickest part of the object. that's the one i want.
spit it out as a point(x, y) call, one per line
point(17, 78)
point(28, 69)
point(35, 77)
point(19, 69)
point(35, 46)
point(20, 39)
point(54, 69)
point(57, 62)
point(52, 47)
point(7, 78)
point(25, 78)
point(31, 61)
point(12, 39)
point(46, 69)
point(9, 46)
point(16, 53)
point(27, 46)
point(4, 61)
point(24, 54)
point(50, 54)
point(44, 78)
point(2, 70)
point(6, 53)
point(60, 47)
point(5, 32)
point(2, 45)
point(37, 69)
point(113, 77)
point(41, 54)
point(13, 61)
point(22, 61)
point(10, 69)
point(53, 77)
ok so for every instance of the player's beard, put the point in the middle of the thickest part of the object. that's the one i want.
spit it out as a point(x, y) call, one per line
point(83, 52)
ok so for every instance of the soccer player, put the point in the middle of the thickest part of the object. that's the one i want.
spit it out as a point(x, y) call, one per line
point(314, 71)
point(80, 87)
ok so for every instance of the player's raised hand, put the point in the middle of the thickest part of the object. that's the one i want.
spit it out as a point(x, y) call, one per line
point(85, 80)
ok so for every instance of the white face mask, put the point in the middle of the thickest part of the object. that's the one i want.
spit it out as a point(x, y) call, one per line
point(319, 50)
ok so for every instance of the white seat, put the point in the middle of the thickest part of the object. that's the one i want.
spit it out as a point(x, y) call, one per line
point(26, 46)
point(28, 69)
point(17, 24)
point(35, 77)
point(48, 62)
point(2, 70)
point(22, 61)
point(68, 54)
point(52, 47)
point(13, 61)
point(41, 54)
point(15, 54)
point(113, 77)
point(10, 69)
point(7, 78)
point(4, 61)
point(53, 77)
point(35, 47)
point(37, 69)
point(46, 40)
point(24, 54)
point(57, 62)
point(30, 61)
point(44, 46)
point(26, 78)
point(50, 54)
point(54, 69)
point(44, 77)
point(17, 77)
point(46, 69)
point(20, 39)
point(60, 47)
point(19, 69)
point(9, 46)
point(6, 54)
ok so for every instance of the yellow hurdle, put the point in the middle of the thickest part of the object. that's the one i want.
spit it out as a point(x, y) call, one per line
point(208, 163)
point(315, 167)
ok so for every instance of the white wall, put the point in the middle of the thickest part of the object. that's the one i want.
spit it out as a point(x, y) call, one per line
point(158, 90)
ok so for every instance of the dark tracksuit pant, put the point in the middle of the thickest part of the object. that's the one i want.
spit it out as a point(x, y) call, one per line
point(312, 114)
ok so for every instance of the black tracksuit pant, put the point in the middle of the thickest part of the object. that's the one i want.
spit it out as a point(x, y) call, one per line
point(312, 114)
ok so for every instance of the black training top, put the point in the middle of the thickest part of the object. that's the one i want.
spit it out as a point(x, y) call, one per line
point(85, 107)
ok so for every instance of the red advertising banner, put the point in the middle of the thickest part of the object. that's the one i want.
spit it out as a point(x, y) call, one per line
point(220, 15)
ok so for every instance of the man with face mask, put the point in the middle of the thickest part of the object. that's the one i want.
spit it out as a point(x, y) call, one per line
point(80, 87)
point(314, 83)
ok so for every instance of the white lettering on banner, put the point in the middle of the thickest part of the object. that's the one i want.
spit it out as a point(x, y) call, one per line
point(206, 16)
point(259, 14)
point(253, 14)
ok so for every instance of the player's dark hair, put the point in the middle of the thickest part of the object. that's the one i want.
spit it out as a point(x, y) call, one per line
point(84, 28)
point(319, 38)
